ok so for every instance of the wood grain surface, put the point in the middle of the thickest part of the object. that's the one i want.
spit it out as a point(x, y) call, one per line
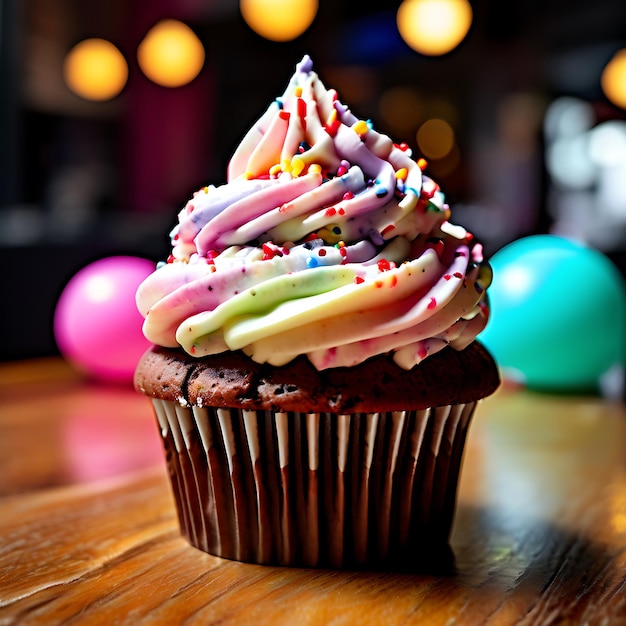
point(88, 533)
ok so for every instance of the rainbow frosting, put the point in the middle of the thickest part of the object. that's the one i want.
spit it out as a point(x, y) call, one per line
point(328, 240)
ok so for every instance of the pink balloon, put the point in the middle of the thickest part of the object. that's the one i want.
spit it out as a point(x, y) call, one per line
point(96, 323)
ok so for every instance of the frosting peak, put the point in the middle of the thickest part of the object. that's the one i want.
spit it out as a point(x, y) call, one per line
point(327, 240)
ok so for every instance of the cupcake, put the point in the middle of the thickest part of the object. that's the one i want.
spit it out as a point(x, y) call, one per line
point(315, 367)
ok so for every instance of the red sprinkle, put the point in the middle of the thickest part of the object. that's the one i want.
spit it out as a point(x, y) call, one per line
point(333, 127)
point(447, 276)
point(384, 265)
point(401, 146)
point(330, 212)
point(341, 211)
point(387, 229)
point(170, 258)
point(432, 304)
point(270, 251)
point(428, 192)
point(458, 275)
point(358, 280)
point(321, 252)
point(348, 195)
point(394, 280)
point(341, 170)
point(302, 109)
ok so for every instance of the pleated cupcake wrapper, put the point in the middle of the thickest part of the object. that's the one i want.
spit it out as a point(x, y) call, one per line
point(314, 489)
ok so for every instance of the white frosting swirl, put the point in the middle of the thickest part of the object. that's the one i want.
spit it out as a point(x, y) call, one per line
point(327, 241)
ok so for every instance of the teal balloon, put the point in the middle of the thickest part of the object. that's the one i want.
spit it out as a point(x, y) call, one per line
point(558, 313)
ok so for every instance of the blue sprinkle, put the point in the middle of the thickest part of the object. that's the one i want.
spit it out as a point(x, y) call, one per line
point(381, 191)
point(312, 262)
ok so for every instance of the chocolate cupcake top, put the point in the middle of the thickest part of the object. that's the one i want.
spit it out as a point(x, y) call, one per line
point(232, 380)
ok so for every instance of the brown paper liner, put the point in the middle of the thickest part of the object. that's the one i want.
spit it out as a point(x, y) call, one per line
point(314, 489)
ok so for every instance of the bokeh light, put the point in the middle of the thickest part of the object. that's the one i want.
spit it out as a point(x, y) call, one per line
point(566, 126)
point(585, 158)
point(434, 27)
point(401, 109)
point(279, 20)
point(567, 117)
point(95, 69)
point(613, 79)
point(607, 144)
point(435, 138)
point(171, 54)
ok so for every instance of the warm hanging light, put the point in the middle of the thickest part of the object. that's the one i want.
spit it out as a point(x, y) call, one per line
point(613, 79)
point(434, 27)
point(170, 54)
point(279, 20)
point(435, 138)
point(95, 69)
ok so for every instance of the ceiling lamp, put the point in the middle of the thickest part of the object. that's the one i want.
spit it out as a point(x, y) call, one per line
point(279, 20)
point(434, 27)
point(170, 54)
point(95, 69)
point(613, 79)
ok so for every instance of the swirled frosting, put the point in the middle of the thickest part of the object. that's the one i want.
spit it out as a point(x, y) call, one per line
point(327, 240)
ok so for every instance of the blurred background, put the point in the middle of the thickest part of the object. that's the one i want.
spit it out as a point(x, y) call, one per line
point(105, 131)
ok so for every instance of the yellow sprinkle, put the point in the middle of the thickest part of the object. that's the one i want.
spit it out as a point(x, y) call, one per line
point(332, 118)
point(316, 168)
point(285, 165)
point(360, 127)
point(422, 164)
point(402, 173)
point(297, 165)
point(328, 235)
point(275, 170)
point(297, 91)
point(205, 189)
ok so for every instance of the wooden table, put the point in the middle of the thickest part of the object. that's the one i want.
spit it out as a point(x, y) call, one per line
point(88, 533)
